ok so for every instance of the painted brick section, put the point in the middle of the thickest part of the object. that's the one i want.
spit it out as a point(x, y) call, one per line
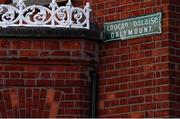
point(32, 71)
point(134, 74)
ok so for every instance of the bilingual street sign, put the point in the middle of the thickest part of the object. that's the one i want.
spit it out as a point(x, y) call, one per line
point(132, 28)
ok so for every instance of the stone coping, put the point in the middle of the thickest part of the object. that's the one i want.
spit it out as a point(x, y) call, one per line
point(45, 32)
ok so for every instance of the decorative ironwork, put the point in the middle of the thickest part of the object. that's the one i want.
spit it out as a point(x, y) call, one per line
point(41, 16)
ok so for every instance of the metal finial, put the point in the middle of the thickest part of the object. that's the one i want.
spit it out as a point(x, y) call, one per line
point(53, 1)
point(20, 4)
point(20, 1)
point(69, 3)
point(88, 4)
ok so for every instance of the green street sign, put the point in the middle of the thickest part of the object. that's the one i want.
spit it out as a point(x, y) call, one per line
point(132, 28)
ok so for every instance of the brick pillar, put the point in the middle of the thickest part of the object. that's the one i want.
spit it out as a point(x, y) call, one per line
point(46, 77)
point(135, 76)
point(175, 58)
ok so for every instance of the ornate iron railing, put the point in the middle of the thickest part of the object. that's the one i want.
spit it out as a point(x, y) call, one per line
point(41, 16)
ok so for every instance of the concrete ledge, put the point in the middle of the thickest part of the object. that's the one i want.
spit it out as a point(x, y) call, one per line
point(44, 32)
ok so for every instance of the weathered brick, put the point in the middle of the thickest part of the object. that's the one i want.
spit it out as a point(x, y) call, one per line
point(136, 100)
point(30, 75)
point(28, 53)
point(161, 97)
point(21, 44)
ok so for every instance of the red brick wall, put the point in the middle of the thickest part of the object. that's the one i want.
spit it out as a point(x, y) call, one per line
point(134, 74)
point(46, 77)
point(137, 77)
point(5, 1)
point(175, 57)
